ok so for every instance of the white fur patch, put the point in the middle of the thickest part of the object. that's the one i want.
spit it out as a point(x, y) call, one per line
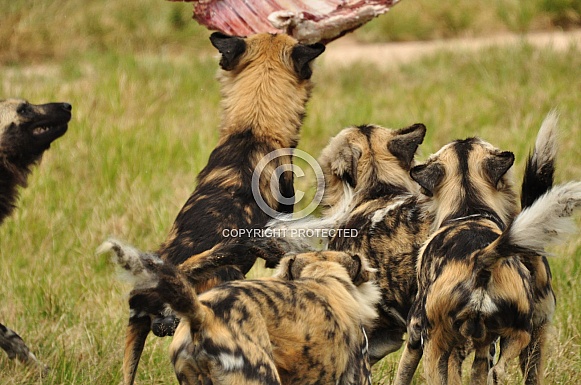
point(130, 260)
point(481, 300)
point(546, 143)
point(380, 214)
point(368, 296)
point(548, 220)
point(231, 362)
point(286, 227)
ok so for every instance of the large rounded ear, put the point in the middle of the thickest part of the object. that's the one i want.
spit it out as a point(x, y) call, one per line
point(404, 145)
point(358, 272)
point(231, 48)
point(302, 55)
point(497, 165)
point(345, 163)
point(284, 269)
point(428, 176)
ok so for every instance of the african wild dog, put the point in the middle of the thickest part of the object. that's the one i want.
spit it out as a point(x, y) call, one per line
point(368, 188)
point(265, 84)
point(387, 214)
point(475, 281)
point(304, 325)
point(26, 131)
point(538, 179)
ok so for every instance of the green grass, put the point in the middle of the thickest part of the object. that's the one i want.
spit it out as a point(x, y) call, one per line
point(146, 112)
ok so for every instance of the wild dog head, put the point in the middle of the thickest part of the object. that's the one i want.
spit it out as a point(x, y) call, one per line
point(263, 77)
point(355, 271)
point(370, 159)
point(468, 177)
point(26, 131)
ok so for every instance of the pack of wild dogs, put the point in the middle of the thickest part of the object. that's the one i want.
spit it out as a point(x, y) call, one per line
point(449, 260)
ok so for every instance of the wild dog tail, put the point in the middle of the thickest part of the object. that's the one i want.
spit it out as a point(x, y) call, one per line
point(540, 167)
point(548, 220)
point(147, 270)
point(133, 263)
point(293, 234)
point(15, 347)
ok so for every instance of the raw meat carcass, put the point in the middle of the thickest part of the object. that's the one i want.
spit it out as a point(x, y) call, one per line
point(309, 21)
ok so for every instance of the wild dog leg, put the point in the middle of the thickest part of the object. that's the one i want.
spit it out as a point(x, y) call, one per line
point(408, 362)
point(436, 364)
point(510, 347)
point(531, 358)
point(455, 363)
point(480, 366)
point(147, 310)
point(137, 332)
point(15, 347)
point(413, 349)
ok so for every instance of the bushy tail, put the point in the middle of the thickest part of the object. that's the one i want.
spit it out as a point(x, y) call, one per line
point(15, 347)
point(147, 270)
point(307, 234)
point(546, 221)
point(540, 167)
point(132, 262)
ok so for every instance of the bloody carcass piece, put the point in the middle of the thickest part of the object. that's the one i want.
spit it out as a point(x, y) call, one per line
point(309, 21)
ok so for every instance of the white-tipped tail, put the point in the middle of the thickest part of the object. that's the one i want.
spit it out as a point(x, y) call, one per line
point(548, 220)
point(546, 144)
point(307, 234)
point(131, 261)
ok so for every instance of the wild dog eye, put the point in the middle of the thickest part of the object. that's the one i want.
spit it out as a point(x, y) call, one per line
point(22, 109)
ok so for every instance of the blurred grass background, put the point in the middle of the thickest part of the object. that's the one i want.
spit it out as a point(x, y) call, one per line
point(140, 75)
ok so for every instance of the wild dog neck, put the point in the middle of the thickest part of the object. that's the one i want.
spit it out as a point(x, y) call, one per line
point(11, 179)
point(268, 102)
point(474, 200)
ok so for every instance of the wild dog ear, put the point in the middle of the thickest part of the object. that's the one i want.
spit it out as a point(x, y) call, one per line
point(428, 176)
point(302, 55)
point(497, 165)
point(285, 268)
point(404, 145)
point(231, 48)
point(345, 164)
point(357, 271)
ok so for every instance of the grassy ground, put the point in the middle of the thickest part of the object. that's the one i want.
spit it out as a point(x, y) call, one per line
point(140, 76)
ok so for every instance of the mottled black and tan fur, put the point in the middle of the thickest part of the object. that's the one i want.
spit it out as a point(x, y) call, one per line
point(265, 84)
point(385, 210)
point(476, 282)
point(305, 325)
point(368, 188)
point(26, 132)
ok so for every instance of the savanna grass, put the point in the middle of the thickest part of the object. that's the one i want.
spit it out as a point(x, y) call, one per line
point(145, 119)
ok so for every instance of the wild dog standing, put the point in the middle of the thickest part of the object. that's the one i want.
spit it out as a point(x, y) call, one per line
point(369, 189)
point(386, 213)
point(265, 86)
point(26, 131)
point(302, 326)
point(473, 284)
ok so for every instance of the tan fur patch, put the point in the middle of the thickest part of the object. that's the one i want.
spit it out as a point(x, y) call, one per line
point(308, 330)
